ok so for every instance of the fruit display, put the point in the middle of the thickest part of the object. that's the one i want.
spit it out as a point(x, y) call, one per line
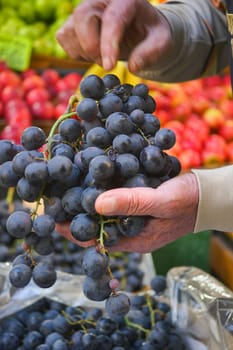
point(49, 324)
point(37, 21)
point(31, 97)
point(107, 138)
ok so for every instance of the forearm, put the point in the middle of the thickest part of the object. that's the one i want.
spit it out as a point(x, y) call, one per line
point(215, 209)
point(199, 42)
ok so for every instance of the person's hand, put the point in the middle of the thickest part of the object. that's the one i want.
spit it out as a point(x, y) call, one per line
point(171, 207)
point(104, 31)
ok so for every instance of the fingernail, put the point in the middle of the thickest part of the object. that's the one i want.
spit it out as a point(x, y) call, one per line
point(136, 64)
point(107, 206)
point(107, 63)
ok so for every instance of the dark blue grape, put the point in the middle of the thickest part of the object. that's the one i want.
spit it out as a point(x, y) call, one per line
point(117, 305)
point(44, 246)
point(44, 275)
point(109, 104)
point(20, 275)
point(101, 168)
point(134, 102)
point(19, 224)
point(94, 263)
point(59, 167)
point(119, 123)
point(83, 158)
point(8, 178)
point(158, 284)
point(63, 149)
point(32, 340)
point(97, 289)
point(37, 172)
point(153, 160)
point(127, 165)
point(9, 341)
point(71, 200)
point(84, 227)
point(8, 150)
point(150, 125)
point(137, 116)
point(70, 129)
point(122, 143)
point(92, 86)
point(88, 198)
point(21, 160)
point(28, 191)
point(165, 138)
point(110, 81)
point(87, 109)
point(130, 226)
point(33, 138)
point(98, 137)
point(150, 104)
point(141, 90)
point(43, 225)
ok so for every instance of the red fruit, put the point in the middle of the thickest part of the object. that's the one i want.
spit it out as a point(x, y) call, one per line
point(190, 140)
point(226, 130)
point(59, 109)
point(37, 94)
point(200, 103)
point(11, 132)
point(50, 76)
point(1, 109)
point(164, 116)
point(8, 77)
point(21, 117)
point(61, 85)
point(229, 156)
point(190, 158)
point(64, 96)
point(175, 125)
point(200, 128)
point(73, 80)
point(42, 110)
point(10, 92)
point(182, 111)
point(32, 82)
point(28, 73)
point(214, 117)
point(214, 151)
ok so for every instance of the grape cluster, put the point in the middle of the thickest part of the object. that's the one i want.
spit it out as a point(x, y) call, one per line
point(109, 138)
point(50, 325)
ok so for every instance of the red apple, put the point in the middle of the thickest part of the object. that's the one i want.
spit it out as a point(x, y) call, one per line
point(190, 158)
point(32, 82)
point(42, 110)
point(59, 109)
point(214, 117)
point(10, 92)
point(230, 152)
point(190, 140)
point(50, 76)
point(37, 94)
point(214, 151)
point(226, 130)
point(8, 77)
point(72, 79)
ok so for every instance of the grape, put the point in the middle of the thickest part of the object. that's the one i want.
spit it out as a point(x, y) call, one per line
point(84, 227)
point(87, 109)
point(158, 284)
point(97, 289)
point(9, 341)
point(92, 86)
point(165, 138)
point(8, 178)
point(141, 90)
point(19, 224)
point(43, 225)
point(109, 138)
point(33, 138)
point(127, 165)
point(20, 275)
point(32, 340)
point(94, 263)
point(117, 305)
point(98, 137)
point(110, 81)
point(119, 123)
point(110, 103)
point(8, 150)
point(101, 168)
point(70, 130)
point(59, 167)
point(44, 275)
point(37, 172)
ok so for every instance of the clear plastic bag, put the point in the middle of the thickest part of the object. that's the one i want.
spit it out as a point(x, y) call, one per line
point(202, 308)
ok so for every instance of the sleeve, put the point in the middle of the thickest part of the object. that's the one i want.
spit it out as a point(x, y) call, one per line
point(199, 31)
point(215, 208)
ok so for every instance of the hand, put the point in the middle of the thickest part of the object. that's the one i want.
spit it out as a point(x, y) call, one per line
point(171, 207)
point(104, 31)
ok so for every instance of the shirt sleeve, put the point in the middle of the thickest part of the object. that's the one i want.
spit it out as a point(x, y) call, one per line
point(200, 48)
point(215, 208)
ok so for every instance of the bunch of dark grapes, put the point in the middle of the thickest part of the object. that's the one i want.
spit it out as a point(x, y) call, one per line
point(109, 138)
point(50, 325)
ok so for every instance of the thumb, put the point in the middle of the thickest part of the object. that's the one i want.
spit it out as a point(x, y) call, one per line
point(126, 201)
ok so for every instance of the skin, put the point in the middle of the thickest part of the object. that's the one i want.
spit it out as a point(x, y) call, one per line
point(104, 31)
point(171, 207)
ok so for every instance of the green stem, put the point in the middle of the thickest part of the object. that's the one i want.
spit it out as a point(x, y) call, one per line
point(137, 326)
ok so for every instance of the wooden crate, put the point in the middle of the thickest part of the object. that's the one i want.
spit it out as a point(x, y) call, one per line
point(221, 257)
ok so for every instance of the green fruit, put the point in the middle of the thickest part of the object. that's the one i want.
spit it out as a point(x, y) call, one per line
point(64, 9)
point(58, 51)
point(45, 10)
point(42, 46)
point(27, 12)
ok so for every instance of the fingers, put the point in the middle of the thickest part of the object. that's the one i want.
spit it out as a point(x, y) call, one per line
point(116, 18)
point(125, 201)
point(80, 34)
